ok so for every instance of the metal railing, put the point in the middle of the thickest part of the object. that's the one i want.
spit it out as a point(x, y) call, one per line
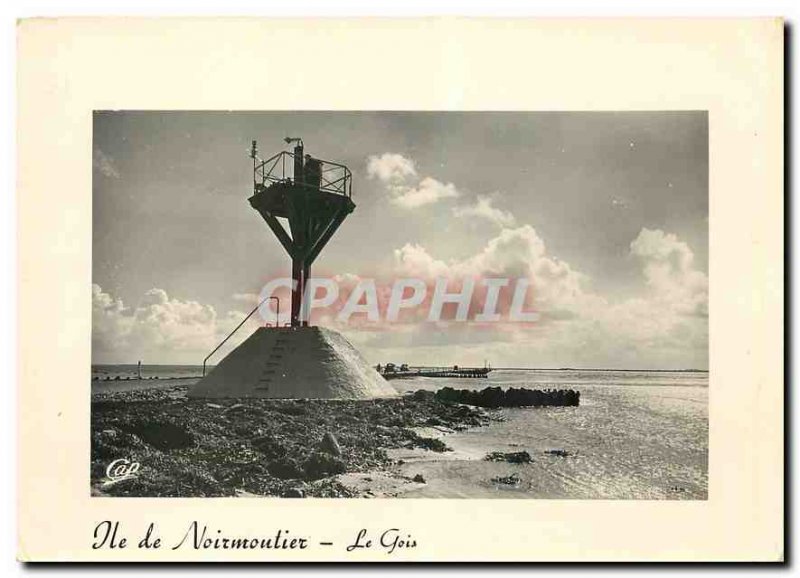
point(249, 315)
point(333, 177)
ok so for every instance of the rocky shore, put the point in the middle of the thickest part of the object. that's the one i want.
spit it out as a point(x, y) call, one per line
point(262, 447)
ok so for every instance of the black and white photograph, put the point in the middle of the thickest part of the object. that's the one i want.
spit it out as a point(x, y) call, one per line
point(436, 289)
point(386, 304)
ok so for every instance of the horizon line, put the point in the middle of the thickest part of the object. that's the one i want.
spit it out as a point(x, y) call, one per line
point(464, 367)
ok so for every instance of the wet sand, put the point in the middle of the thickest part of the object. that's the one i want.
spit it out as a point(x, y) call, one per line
point(574, 463)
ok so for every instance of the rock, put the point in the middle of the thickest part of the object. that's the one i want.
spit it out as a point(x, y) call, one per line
point(557, 452)
point(432, 444)
point(330, 445)
point(163, 436)
point(419, 479)
point(263, 447)
point(269, 446)
point(236, 407)
point(321, 465)
point(285, 469)
point(98, 470)
point(510, 457)
point(496, 397)
point(293, 493)
point(296, 408)
point(511, 480)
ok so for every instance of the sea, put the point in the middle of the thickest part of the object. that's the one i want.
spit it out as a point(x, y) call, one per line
point(125, 377)
point(635, 435)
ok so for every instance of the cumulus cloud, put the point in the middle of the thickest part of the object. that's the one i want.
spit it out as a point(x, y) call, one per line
point(483, 208)
point(159, 329)
point(664, 325)
point(516, 253)
point(104, 164)
point(390, 167)
point(399, 175)
point(668, 268)
point(428, 191)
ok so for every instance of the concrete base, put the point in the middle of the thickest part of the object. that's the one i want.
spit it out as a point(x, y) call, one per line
point(290, 363)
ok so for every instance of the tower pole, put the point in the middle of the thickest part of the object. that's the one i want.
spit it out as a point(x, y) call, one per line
point(298, 287)
point(298, 163)
point(304, 306)
point(298, 269)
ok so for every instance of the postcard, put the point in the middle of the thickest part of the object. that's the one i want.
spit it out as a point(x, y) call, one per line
point(400, 290)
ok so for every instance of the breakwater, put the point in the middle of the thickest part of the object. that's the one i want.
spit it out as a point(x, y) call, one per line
point(512, 397)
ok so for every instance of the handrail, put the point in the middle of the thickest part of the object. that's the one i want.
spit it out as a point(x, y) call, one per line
point(269, 170)
point(249, 315)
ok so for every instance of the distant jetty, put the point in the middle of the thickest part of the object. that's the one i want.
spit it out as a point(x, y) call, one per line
point(392, 371)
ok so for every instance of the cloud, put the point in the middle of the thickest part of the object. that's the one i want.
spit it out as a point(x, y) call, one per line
point(104, 164)
point(668, 268)
point(399, 175)
point(664, 325)
point(390, 167)
point(413, 260)
point(484, 209)
point(513, 253)
point(247, 298)
point(159, 329)
point(428, 191)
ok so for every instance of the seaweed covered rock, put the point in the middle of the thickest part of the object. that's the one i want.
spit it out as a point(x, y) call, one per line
point(269, 446)
point(190, 447)
point(558, 452)
point(512, 480)
point(285, 469)
point(330, 445)
point(293, 493)
point(321, 465)
point(513, 397)
point(162, 435)
point(510, 457)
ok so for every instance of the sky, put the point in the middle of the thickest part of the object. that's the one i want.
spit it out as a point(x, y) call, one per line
point(604, 213)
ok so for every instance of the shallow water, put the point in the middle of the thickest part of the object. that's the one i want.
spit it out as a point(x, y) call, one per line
point(636, 435)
